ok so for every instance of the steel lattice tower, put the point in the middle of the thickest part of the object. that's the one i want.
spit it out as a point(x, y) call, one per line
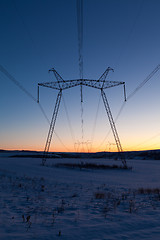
point(100, 84)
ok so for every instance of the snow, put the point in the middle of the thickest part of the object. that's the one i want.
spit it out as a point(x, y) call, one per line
point(45, 202)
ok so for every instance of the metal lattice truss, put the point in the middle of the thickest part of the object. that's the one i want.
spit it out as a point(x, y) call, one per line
point(62, 84)
point(100, 84)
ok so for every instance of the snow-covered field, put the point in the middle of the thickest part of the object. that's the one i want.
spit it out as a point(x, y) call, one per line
point(47, 203)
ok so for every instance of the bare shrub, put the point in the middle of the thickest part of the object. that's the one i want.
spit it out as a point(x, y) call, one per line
point(148, 191)
point(99, 195)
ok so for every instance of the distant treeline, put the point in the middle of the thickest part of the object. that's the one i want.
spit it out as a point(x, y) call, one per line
point(143, 155)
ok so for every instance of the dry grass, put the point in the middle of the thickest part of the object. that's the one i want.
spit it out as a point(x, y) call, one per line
point(148, 191)
point(90, 166)
point(99, 195)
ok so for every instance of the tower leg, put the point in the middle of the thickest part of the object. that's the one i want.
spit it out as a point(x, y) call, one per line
point(113, 127)
point(51, 128)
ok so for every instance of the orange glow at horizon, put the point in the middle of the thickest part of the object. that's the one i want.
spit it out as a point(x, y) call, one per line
point(70, 148)
point(99, 144)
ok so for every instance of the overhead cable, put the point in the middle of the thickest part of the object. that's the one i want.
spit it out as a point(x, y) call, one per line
point(137, 89)
point(80, 35)
point(156, 69)
point(8, 75)
point(80, 57)
point(130, 34)
point(94, 124)
point(144, 81)
point(69, 122)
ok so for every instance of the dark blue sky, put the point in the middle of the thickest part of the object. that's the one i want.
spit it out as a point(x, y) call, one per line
point(38, 35)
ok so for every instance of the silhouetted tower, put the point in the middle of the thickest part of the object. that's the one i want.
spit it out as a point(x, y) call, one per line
point(100, 84)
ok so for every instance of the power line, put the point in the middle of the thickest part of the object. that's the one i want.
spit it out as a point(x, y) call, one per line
point(147, 140)
point(137, 89)
point(80, 35)
point(130, 35)
point(6, 73)
point(144, 81)
point(95, 122)
point(43, 112)
point(82, 122)
point(156, 69)
point(80, 57)
point(16, 82)
point(28, 33)
point(23, 22)
point(69, 122)
point(9, 76)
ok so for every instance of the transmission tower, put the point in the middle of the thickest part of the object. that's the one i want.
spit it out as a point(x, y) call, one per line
point(100, 84)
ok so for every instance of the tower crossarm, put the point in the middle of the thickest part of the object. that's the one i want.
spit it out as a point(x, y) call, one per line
point(57, 75)
point(104, 75)
point(86, 82)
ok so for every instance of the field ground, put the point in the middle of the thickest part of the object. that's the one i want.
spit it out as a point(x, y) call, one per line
point(46, 202)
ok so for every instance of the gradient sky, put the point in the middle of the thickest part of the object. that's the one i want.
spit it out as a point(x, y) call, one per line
point(37, 35)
